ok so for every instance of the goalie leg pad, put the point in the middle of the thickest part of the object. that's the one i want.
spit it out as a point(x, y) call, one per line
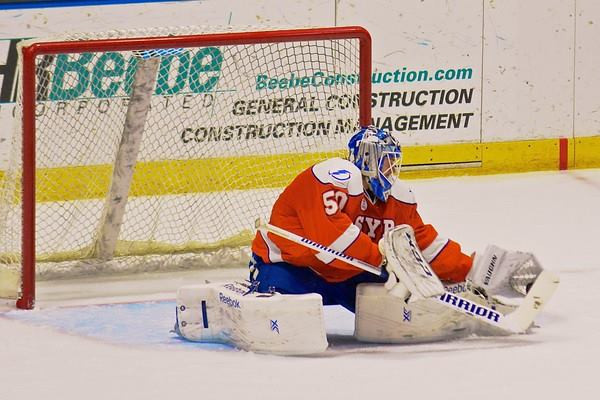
point(258, 322)
point(383, 318)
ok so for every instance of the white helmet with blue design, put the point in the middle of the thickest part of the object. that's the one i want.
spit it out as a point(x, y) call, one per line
point(378, 155)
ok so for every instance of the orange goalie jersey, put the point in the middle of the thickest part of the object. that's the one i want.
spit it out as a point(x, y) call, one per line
point(326, 204)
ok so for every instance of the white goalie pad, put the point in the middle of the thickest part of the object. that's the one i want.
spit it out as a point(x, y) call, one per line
point(258, 322)
point(407, 266)
point(384, 318)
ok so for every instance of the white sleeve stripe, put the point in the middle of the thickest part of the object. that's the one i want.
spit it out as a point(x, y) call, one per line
point(435, 248)
point(274, 251)
point(341, 243)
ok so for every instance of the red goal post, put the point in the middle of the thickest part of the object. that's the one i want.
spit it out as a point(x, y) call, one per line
point(30, 90)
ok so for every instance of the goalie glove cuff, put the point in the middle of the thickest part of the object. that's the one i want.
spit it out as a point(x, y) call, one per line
point(383, 266)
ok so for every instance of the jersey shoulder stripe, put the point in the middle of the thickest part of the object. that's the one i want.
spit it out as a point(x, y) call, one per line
point(340, 173)
point(401, 192)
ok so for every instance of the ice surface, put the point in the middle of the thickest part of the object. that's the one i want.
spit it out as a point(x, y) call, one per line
point(77, 345)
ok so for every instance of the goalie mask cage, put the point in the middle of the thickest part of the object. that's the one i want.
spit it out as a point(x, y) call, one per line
point(157, 149)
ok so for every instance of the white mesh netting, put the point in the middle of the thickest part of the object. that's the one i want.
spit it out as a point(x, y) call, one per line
point(228, 127)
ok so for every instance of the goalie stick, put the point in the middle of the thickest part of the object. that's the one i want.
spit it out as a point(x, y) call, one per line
point(517, 321)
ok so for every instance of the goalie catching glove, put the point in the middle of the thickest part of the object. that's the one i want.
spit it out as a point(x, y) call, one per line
point(503, 275)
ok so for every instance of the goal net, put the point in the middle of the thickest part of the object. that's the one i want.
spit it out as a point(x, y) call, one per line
point(154, 150)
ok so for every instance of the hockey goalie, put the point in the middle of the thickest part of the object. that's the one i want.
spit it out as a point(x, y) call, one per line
point(347, 232)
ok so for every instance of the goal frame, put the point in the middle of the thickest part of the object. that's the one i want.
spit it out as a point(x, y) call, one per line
point(26, 300)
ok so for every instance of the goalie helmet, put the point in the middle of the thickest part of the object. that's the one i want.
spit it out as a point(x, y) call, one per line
point(378, 156)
